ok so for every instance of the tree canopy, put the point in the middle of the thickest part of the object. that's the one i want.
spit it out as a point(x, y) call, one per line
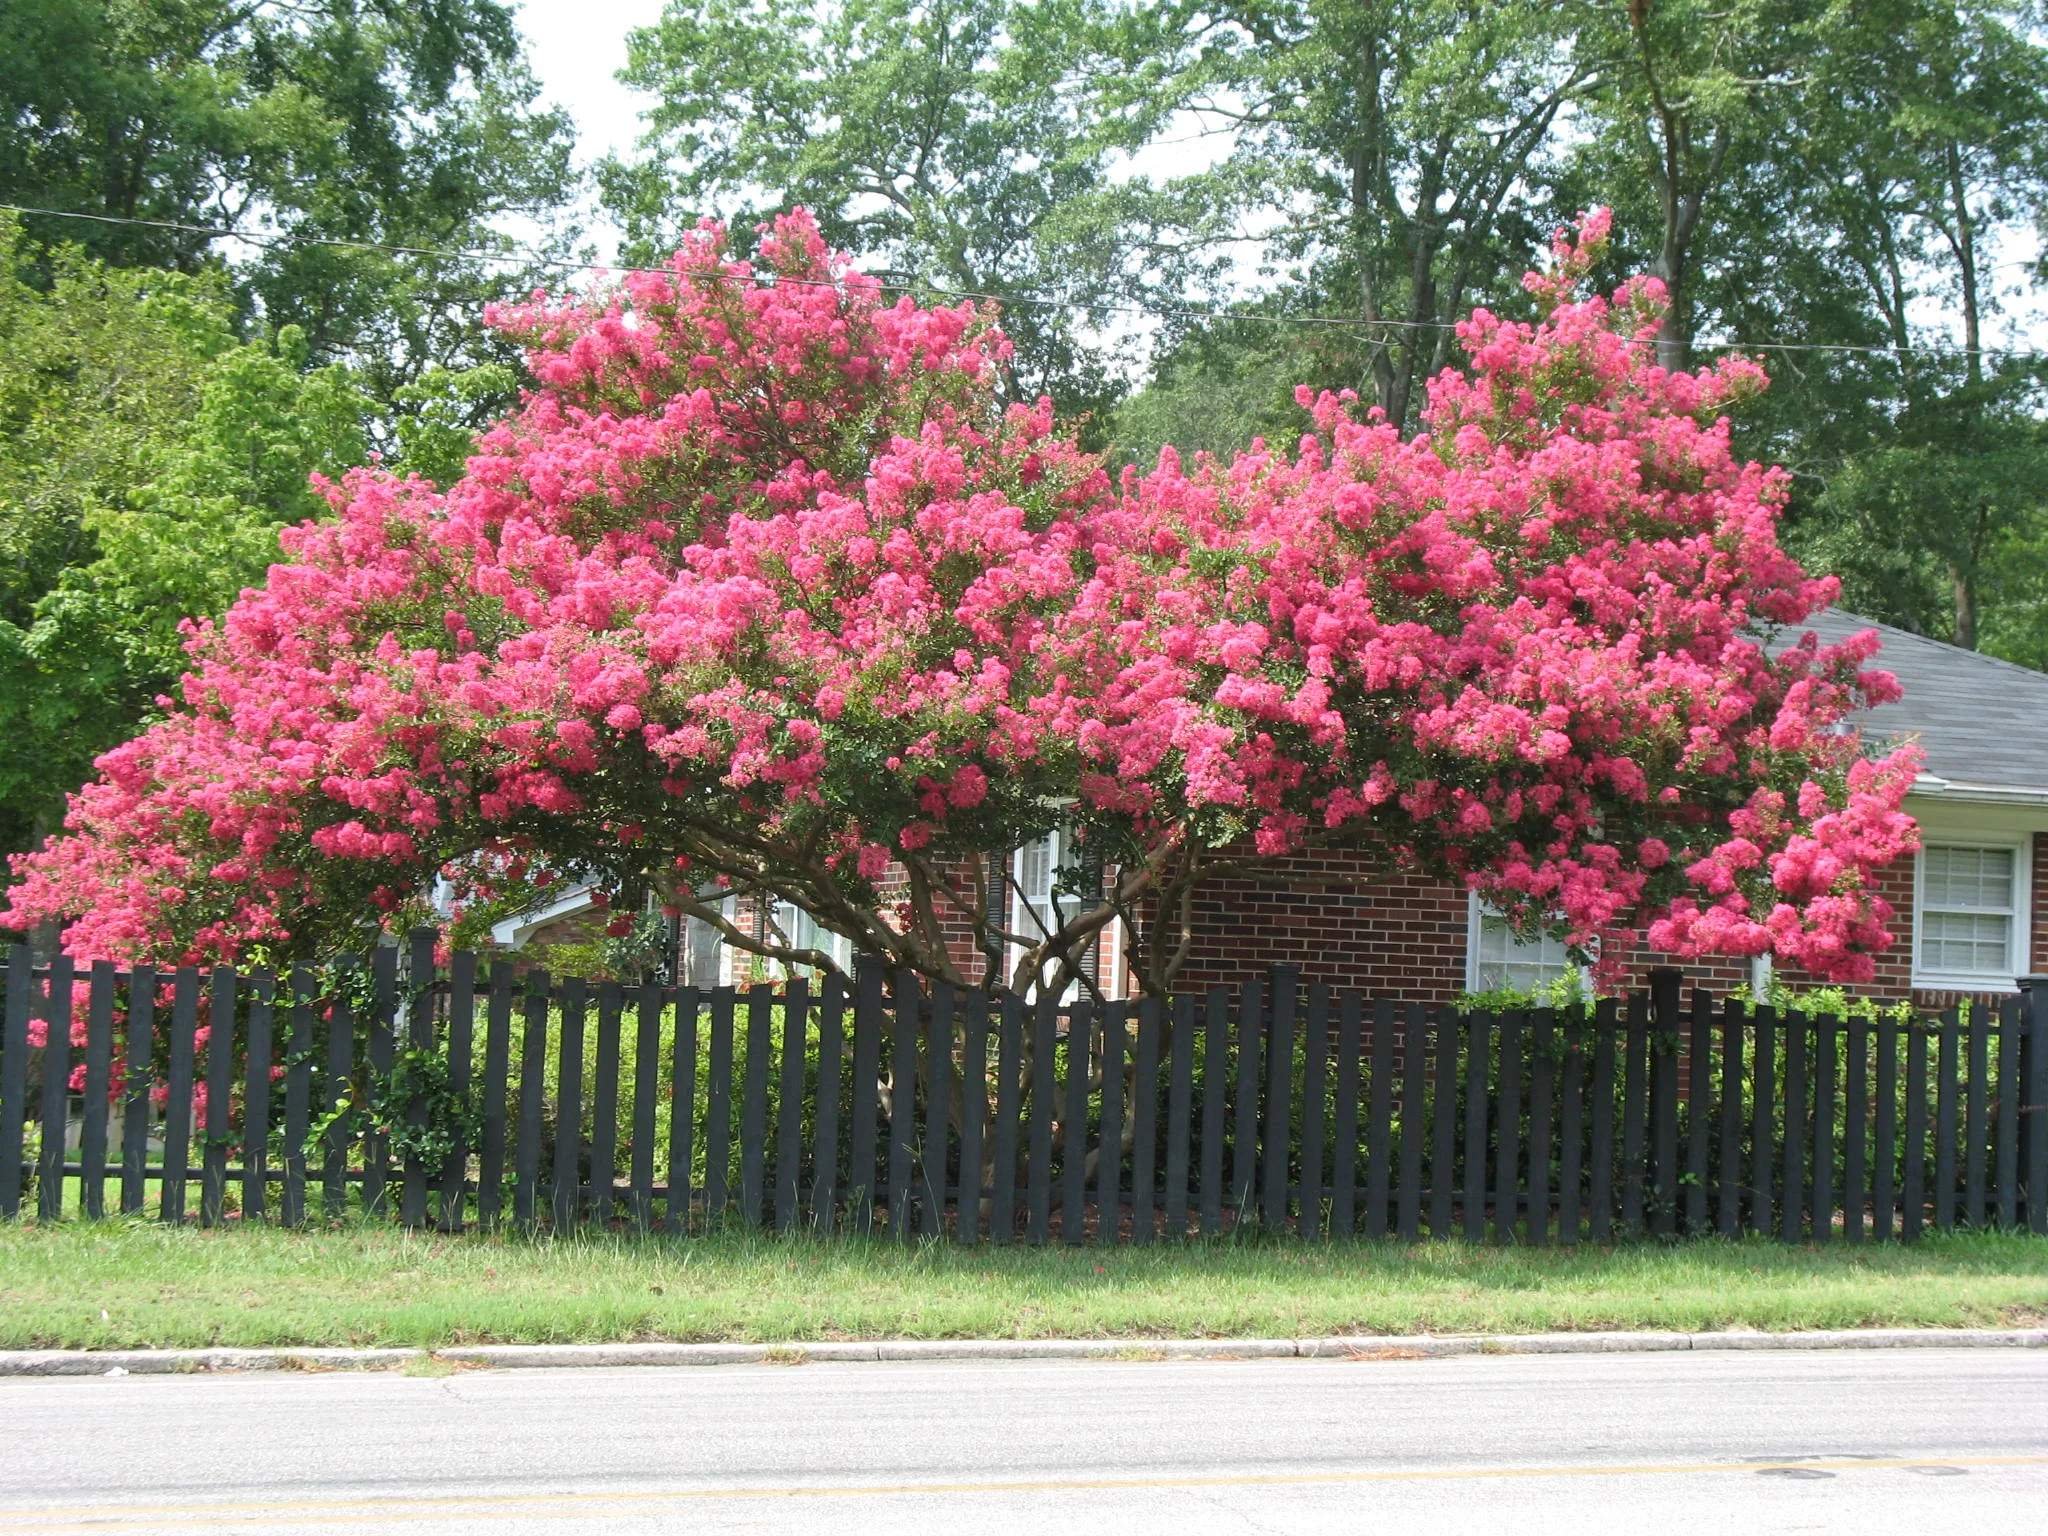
point(766, 584)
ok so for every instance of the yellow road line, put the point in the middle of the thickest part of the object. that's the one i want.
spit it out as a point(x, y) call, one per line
point(399, 1510)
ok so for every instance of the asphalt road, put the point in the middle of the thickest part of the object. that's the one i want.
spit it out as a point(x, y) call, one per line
point(1927, 1440)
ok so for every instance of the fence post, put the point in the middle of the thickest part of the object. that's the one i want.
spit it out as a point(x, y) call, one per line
point(419, 1041)
point(1664, 1019)
point(2033, 1139)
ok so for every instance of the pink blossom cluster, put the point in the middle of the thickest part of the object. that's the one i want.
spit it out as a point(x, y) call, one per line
point(766, 574)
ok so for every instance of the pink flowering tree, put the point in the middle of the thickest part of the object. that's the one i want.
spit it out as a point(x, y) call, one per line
point(765, 589)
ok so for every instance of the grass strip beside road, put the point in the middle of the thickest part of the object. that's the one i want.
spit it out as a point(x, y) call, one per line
point(141, 1285)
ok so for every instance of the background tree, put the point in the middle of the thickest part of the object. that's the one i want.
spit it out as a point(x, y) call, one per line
point(1391, 159)
point(945, 143)
point(401, 122)
point(147, 461)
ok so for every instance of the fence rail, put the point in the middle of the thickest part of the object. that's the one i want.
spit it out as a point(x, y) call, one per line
point(457, 1096)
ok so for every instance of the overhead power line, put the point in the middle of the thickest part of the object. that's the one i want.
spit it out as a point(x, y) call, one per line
point(529, 258)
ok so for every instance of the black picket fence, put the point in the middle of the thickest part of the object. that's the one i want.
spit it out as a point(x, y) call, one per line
point(454, 1099)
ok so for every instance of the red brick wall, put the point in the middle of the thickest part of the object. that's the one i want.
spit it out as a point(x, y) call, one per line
point(1347, 923)
point(1405, 936)
point(1341, 920)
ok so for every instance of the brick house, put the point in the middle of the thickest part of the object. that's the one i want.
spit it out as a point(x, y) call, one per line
point(1972, 905)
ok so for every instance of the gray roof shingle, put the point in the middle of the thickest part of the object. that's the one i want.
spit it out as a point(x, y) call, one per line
point(1982, 722)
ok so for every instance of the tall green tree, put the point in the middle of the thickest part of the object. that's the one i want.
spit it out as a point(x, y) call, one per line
point(400, 122)
point(945, 141)
point(147, 461)
point(1392, 158)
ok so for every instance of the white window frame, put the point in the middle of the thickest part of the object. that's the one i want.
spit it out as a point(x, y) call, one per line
point(1476, 911)
point(2020, 933)
point(784, 915)
point(1060, 855)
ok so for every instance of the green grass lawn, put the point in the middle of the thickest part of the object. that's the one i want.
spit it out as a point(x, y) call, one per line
point(125, 1284)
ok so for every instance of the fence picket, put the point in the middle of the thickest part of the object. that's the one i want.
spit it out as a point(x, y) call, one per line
point(1699, 1094)
point(1855, 1129)
point(2010, 1015)
point(1635, 1115)
point(1178, 1113)
point(647, 1013)
point(599, 1195)
point(1002, 1200)
point(867, 1069)
point(682, 1110)
point(1542, 1086)
point(419, 1038)
point(1408, 1223)
point(1215, 1052)
point(1600, 1194)
point(1728, 1202)
point(1884, 1155)
point(1038, 1134)
point(178, 1095)
point(1276, 1121)
point(56, 1013)
point(1145, 1128)
point(1315, 1042)
point(1825, 1035)
point(14, 1076)
point(490, 1171)
point(1344, 1146)
point(825, 1139)
point(1915, 1195)
point(1244, 1148)
point(220, 1093)
point(903, 1010)
point(255, 1100)
point(1762, 1148)
point(1109, 1161)
point(1476, 1054)
point(337, 1091)
point(2037, 1104)
point(1975, 1124)
point(567, 1183)
point(298, 1095)
point(1507, 1173)
point(1945, 1126)
point(1444, 1125)
point(99, 1061)
point(754, 1102)
point(454, 1177)
point(1379, 1117)
point(973, 1116)
point(1792, 1184)
point(1571, 1129)
point(1074, 1124)
point(938, 1072)
point(1664, 1004)
point(138, 1077)
point(718, 1110)
point(533, 1055)
point(383, 1051)
point(789, 1101)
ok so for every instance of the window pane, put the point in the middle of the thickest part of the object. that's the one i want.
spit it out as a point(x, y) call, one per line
point(1508, 960)
point(1979, 878)
point(1965, 941)
point(1036, 872)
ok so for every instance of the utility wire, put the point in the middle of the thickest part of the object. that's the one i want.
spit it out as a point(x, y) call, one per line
point(528, 258)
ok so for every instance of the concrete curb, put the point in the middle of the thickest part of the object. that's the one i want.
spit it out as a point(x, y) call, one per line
point(164, 1362)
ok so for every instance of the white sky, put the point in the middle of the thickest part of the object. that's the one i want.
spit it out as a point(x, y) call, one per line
point(578, 47)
